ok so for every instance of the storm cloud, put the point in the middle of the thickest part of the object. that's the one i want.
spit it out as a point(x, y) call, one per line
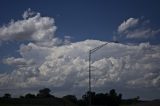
point(65, 66)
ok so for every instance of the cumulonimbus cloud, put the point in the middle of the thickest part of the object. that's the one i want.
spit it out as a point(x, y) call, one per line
point(66, 66)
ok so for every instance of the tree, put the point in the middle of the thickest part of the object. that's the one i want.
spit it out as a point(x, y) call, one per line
point(113, 93)
point(107, 99)
point(29, 96)
point(114, 100)
point(22, 97)
point(100, 99)
point(7, 95)
point(44, 93)
point(87, 95)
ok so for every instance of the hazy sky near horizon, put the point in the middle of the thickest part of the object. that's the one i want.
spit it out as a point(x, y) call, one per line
point(46, 44)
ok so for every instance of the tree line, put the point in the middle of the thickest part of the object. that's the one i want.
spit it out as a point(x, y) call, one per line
point(104, 99)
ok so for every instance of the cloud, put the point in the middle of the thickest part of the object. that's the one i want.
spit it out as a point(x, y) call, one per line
point(131, 22)
point(34, 27)
point(16, 61)
point(28, 13)
point(66, 66)
point(47, 61)
point(134, 28)
point(67, 39)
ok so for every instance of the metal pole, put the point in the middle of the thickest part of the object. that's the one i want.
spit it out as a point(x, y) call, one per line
point(90, 52)
point(90, 78)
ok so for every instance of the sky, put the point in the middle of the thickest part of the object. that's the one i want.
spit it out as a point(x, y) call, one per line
point(46, 44)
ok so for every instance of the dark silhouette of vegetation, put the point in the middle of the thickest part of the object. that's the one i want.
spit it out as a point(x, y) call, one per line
point(27, 96)
point(111, 99)
point(114, 99)
point(21, 97)
point(7, 96)
point(45, 98)
point(44, 93)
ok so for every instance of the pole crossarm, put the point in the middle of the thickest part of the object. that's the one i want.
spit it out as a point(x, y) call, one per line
point(98, 47)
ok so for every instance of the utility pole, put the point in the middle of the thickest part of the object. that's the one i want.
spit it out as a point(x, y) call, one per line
point(90, 54)
point(90, 77)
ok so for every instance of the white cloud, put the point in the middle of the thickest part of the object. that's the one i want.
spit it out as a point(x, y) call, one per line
point(142, 33)
point(67, 39)
point(17, 61)
point(131, 22)
point(34, 28)
point(65, 67)
point(28, 13)
point(136, 28)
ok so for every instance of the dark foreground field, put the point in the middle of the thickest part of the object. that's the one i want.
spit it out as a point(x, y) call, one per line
point(61, 102)
point(36, 102)
point(148, 103)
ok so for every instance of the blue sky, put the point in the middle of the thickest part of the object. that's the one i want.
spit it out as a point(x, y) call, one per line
point(81, 24)
point(83, 19)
